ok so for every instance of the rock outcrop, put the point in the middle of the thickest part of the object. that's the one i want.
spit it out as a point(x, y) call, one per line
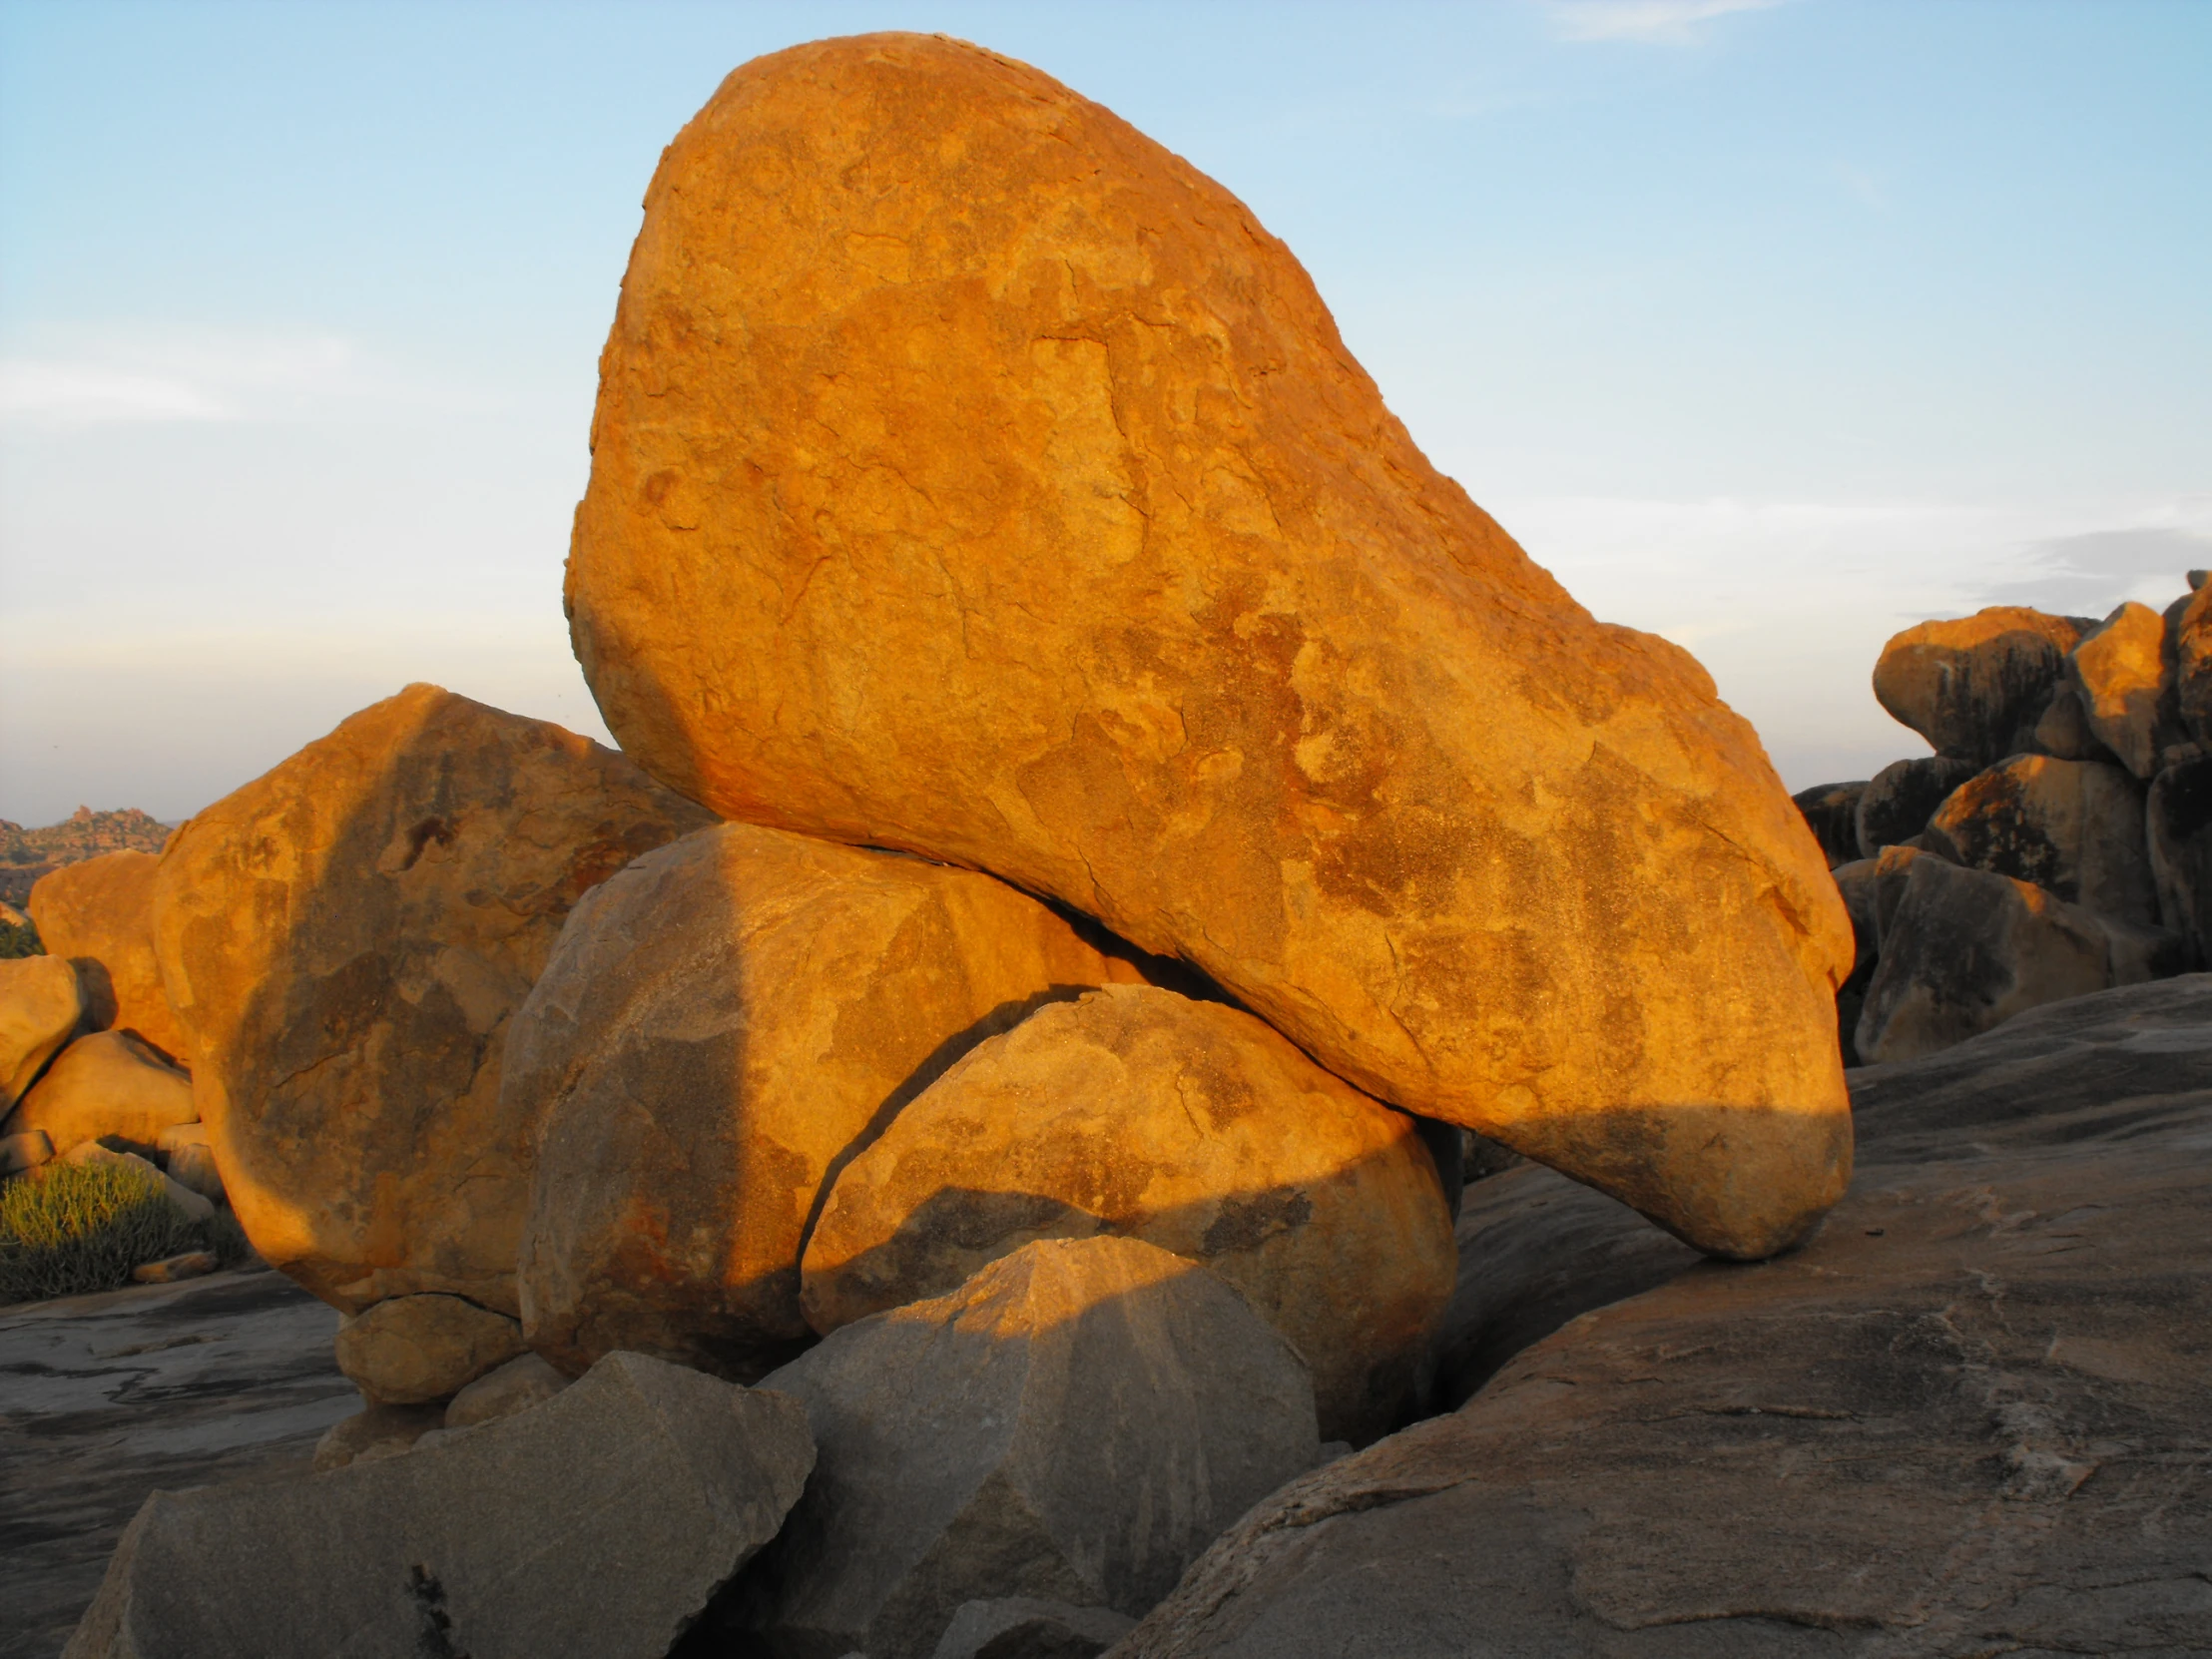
point(2178, 819)
point(2123, 672)
point(41, 1006)
point(1832, 813)
point(411, 1350)
point(724, 1026)
point(972, 476)
point(1977, 687)
point(107, 1084)
point(2074, 828)
point(1191, 1126)
point(1896, 803)
point(344, 940)
point(99, 912)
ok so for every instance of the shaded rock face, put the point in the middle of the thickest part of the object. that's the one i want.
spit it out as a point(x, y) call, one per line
point(1212, 652)
point(1903, 797)
point(2064, 733)
point(108, 1084)
point(1026, 1627)
point(1189, 1125)
point(2178, 817)
point(2074, 827)
point(2123, 672)
point(2192, 649)
point(724, 1027)
point(598, 1525)
point(411, 1350)
point(99, 915)
point(1967, 1417)
point(345, 938)
point(1976, 686)
point(41, 1006)
point(1832, 813)
point(1075, 1423)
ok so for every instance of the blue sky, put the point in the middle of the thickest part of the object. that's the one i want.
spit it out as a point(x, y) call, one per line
point(1774, 328)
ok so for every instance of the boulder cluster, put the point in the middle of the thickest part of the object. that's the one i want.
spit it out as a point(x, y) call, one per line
point(2058, 842)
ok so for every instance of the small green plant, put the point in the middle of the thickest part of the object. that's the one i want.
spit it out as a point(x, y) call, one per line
point(74, 1228)
point(19, 938)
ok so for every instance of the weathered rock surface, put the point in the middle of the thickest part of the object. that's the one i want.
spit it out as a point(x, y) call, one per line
point(1832, 813)
point(1027, 1627)
point(1075, 1423)
point(1967, 1417)
point(520, 1383)
point(1903, 797)
point(596, 1525)
point(374, 1433)
point(345, 938)
point(1975, 687)
point(2074, 827)
point(973, 476)
point(2064, 732)
point(411, 1350)
point(2178, 823)
point(41, 1005)
point(107, 1083)
point(2124, 675)
point(1191, 1126)
point(724, 1026)
point(99, 912)
point(2192, 649)
point(24, 1152)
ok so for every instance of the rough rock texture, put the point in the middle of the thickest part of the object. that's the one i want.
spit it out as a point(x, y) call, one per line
point(41, 1005)
point(2192, 649)
point(2178, 822)
point(724, 1026)
point(108, 1084)
point(1192, 1126)
point(1903, 797)
point(597, 1525)
point(411, 1349)
point(2124, 675)
point(24, 1152)
point(1968, 1418)
point(973, 476)
point(1975, 687)
point(100, 913)
point(377, 1431)
point(2074, 827)
point(517, 1385)
point(1028, 1627)
point(1075, 1422)
point(2064, 732)
point(1832, 813)
point(1859, 882)
point(345, 938)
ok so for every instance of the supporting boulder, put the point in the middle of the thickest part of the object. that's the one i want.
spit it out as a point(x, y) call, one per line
point(1976, 686)
point(2074, 828)
point(411, 1350)
point(41, 1007)
point(99, 912)
point(107, 1084)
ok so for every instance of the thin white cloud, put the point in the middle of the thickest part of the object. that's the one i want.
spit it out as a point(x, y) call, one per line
point(91, 377)
point(87, 394)
point(1670, 21)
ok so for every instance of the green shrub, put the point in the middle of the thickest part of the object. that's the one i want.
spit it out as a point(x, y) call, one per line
point(75, 1227)
point(19, 939)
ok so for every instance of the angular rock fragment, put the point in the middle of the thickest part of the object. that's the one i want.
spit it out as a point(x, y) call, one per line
point(975, 478)
point(517, 1385)
point(2123, 672)
point(1976, 686)
point(1075, 1423)
point(411, 1350)
point(171, 1270)
point(1191, 1126)
point(99, 912)
point(2074, 828)
point(1832, 813)
point(2064, 732)
point(1903, 797)
point(378, 1432)
point(41, 1006)
point(107, 1084)
point(596, 1526)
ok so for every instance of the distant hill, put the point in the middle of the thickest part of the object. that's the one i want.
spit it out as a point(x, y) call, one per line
point(26, 855)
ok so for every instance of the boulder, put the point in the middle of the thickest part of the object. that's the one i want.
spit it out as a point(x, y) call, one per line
point(597, 1525)
point(2178, 821)
point(1976, 686)
point(1028, 1627)
point(106, 1085)
point(2192, 649)
point(1860, 885)
point(41, 1006)
point(1967, 1417)
point(973, 476)
point(1888, 885)
point(190, 1160)
point(99, 912)
point(344, 940)
point(1191, 1126)
point(1832, 813)
point(1075, 1423)
point(411, 1350)
point(378, 1432)
point(2064, 732)
point(25, 1151)
point(520, 1383)
point(724, 1027)
point(2123, 672)
point(1903, 797)
point(172, 1270)
point(2074, 828)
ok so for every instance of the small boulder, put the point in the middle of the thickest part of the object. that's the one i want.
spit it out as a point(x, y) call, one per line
point(99, 912)
point(1192, 1126)
point(2192, 647)
point(596, 1526)
point(2074, 828)
point(107, 1085)
point(2125, 674)
point(25, 1151)
point(1832, 813)
point(41, 1007)
point(1028, 1627)
point(2179, 820)
point(1075, 1422)
point(520, 1383)
point(379, 1431)
point(2064, 732)
point(411, 1349)
point(190, 1160)
point(1899, 800)
point(1976, 686)
point(170, 1270)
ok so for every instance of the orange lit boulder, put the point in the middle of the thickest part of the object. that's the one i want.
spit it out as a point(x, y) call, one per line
point(2192, 644)
point(42, 1004)
point(972, 476)
point(724, 1026)
point(2124, 675)
point(2074, 826)
point(99, 912)
point(1976, 686)
point(106, 1084)
point(344, 940)
point(1191, 1126)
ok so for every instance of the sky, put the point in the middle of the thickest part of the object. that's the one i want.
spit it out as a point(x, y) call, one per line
point(1773, 327)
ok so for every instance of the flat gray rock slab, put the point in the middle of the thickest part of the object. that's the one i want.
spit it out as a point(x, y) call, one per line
point(105, 1397)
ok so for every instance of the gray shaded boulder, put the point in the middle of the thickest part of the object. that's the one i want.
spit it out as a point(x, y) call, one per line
point(2063, 733)
point(2192, 652)
point(520, 1383)
point(1832, 813)
point(2123, 671)
point(2178, 838)
point(1967, 1417)
point(41, 1005)
point(2074, 828)
point(107, 1084)
point(1903, 797)
point(1076, 1422)
point(1027, 1627)
point(374, 1433)
point(597, 1525)
point(411, 1350)
point(1975, 687)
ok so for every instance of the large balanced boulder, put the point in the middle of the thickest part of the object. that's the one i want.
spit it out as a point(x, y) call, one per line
point(106, 1084)
point(1074, 1424)
point(344, 940)
point(1192, 1126)
point(1967, 1417)
point(41, 1006)
point(971, 475)
point(1976, 686)
point(99, 912)
point(1898, 801)
point(724, 1026)
point(596, 1525)
point(2074, 827)
point(2123, 672)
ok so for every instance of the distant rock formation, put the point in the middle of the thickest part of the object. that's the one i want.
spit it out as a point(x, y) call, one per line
point(26, 855)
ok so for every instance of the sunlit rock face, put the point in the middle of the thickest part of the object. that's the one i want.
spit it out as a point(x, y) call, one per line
point(973, 476)
point(99, 912)
point(1977, 687)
